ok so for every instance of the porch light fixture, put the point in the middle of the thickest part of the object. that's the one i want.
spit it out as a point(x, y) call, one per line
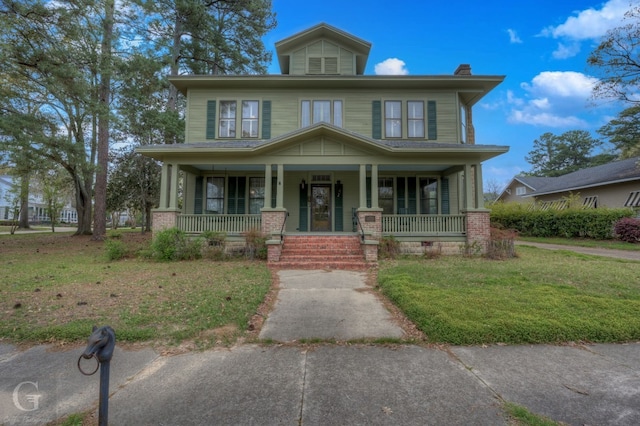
point(302, 184)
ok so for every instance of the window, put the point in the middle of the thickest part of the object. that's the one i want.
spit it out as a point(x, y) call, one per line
point(312, 112)
point(633, 200)
point(463, 125)
point(215, 195)
point(521, 190)
point(256, 194)
point(249, 119)
point(385, 195)
point(227, 119)
point(415, 119)
point(393, 119)
point(428, 196)
point(590, 202)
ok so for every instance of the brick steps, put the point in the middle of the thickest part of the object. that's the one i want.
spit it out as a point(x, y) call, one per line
point(321, 252)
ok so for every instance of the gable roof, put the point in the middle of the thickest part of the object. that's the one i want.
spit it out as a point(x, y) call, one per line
point(606, 174)
point(358, 46)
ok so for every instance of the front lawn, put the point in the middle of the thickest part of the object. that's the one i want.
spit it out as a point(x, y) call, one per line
point(542, 296)
point(55, 287)
point(584, 242)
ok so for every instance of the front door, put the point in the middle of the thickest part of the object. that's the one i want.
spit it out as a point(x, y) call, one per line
point(320, 208)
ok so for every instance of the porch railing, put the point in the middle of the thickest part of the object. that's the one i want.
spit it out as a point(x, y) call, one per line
point(419, 224)
point(228, 223)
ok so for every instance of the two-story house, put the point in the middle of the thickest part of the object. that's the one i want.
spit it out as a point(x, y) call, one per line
point(324, 149)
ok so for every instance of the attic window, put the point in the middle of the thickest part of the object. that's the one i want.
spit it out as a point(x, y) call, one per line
point(521, 190)
point(323, 65)
point(633, 200)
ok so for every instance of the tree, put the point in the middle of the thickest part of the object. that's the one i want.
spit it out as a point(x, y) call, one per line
point(554, 155)
point(623, 132)
point(492, 190)
point(53, 185)
point(617, 59)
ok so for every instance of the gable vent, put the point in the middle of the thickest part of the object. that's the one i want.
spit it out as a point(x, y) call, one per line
point(315, 65)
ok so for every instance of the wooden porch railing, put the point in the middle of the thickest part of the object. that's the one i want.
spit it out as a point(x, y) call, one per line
point(228, 223)
point(420, 224)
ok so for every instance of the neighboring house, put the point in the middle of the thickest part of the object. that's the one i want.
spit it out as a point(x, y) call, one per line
point(322, 148)
point(616, 184)
point(37, 207)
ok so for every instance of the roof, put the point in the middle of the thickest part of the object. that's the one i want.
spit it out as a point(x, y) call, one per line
point(359, 47)
point(606, 174)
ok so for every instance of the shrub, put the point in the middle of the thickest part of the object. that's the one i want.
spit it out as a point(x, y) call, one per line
point(174, 244)
point(115, 248)
point(255, 244)
point(628, 229)
point(502, 244)
point(573, 222)
point(389, 247)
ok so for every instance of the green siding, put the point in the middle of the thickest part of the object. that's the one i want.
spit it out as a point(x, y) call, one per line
point(211, 119)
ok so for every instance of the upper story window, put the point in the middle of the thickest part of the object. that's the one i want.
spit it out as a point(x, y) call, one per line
point(227, 119)
point(415, 119)
point(521, 190)
point(393, 119)
point(249, 119)
point(312, 112)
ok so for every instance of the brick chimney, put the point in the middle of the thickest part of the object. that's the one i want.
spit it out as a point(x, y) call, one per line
point(463, 69)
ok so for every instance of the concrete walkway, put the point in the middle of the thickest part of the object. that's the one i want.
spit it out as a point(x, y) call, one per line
point(329, 384)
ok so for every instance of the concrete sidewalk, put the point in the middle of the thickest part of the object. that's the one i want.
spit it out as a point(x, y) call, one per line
point(327, 384)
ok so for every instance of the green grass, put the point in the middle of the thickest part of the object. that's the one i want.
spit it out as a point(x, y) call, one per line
point(55, 287)
point(540, 297)
point(521, 416)
point(585, 242)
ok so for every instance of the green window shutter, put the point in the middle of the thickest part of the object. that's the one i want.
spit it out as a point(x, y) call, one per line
point(211, 119)
point(445, 196)
point(368, 192)
point(242, 201)
point(401, 195)
point(304, 216)
point(376, 120)
point(413, 202)
point(266, 119)
point(274, 191)
point(197, 205)
point(431, 120)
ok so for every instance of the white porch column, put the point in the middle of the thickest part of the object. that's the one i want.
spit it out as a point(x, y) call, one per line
point(267, 185)
point(363, 186)
point(164, 186)
point(374, 186)
point(173, 188)
point(280, 190)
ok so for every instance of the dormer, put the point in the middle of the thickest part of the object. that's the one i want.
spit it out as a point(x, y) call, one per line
point(322, 50)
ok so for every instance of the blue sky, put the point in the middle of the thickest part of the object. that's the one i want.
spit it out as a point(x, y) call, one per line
point(540, 46)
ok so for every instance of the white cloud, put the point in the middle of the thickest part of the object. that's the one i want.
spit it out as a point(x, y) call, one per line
point(513, 36)
point(552, 99)
point(391, 66)
point(565, 51)
point(589, 24)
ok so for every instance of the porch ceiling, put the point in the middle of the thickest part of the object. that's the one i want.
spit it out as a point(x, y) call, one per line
point(321, 167)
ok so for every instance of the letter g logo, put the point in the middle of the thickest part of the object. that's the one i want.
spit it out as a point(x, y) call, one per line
point(32, 398)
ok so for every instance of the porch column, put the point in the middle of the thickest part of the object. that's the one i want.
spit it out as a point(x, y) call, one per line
point(280, 190)
point(173, 188)
point(164, 186)
point(479, 187)
point(363, 186)
point(267, 185)
point(468, 187)
point(374, 186)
